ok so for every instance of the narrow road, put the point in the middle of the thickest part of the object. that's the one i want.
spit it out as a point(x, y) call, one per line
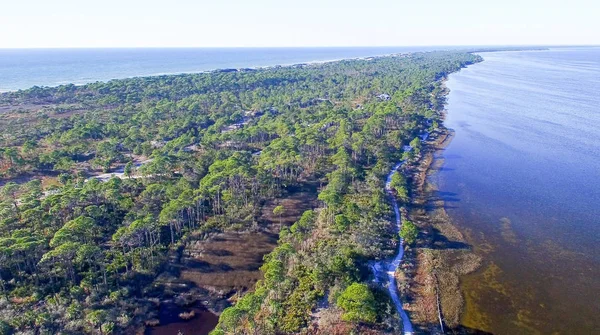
point(394, 264)
point(391, 267)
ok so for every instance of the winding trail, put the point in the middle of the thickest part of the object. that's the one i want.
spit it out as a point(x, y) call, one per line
point(391, 267)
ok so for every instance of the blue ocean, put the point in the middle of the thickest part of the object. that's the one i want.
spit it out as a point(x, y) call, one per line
point(24, 68)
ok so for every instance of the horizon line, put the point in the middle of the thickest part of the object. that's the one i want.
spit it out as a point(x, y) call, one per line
point(299, 47)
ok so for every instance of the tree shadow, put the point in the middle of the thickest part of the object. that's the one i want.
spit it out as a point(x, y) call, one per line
point(440, 200)
point(441, 168)
point(206, 267)
point(446, 194)
point(219, 252)
point(441, 242)
point(462, 330)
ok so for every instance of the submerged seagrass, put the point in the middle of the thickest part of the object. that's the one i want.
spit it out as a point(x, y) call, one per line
point(521, 179)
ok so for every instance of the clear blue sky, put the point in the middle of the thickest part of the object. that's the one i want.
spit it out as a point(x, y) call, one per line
point(226, 23)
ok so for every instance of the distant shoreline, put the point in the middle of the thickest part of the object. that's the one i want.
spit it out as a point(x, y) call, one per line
point(241, 69)
point(217, 68)
point(121, 64)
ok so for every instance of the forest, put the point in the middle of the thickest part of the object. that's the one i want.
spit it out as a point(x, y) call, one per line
point(102, 183)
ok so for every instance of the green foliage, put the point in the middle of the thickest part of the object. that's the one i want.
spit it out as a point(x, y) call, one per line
point(398, 184)
point(128, 169)
point(416, 145)
point(409, 232)
point(341, 222)
point(96, 318)
point(229, 320)
point(74, 311)
point(214, 148)
point(108, 327)
point(279, 211)
point(78, 230)
point(408, 155)
point(304, 225)
point(358, 303)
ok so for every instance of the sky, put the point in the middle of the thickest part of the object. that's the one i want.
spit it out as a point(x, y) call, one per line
point(290, 23)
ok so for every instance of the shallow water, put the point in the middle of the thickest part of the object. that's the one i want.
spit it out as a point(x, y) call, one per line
point(522, 179)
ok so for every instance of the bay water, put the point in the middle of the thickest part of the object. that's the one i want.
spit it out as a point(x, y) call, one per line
point(521, 178)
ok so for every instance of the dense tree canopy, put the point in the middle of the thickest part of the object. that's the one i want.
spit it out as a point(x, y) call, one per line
point(200, 153)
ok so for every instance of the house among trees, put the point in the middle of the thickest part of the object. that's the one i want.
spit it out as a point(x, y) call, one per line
point(232, 145)
point(384, 97)
point(251, 113)
point(232, 127)
point(158, 144)
point(191, 148)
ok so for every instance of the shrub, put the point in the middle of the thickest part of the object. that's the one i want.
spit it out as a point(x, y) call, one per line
point(358, 303)
point(409, 232)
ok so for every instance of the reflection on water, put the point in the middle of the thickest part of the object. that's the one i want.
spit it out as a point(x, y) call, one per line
point(522, 176)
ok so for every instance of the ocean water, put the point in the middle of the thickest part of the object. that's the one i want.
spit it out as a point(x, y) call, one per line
point(24, 68)
point(521, 178)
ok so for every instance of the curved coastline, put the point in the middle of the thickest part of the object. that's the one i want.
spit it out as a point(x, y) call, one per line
point(113, 67)
point(526, 246)
point(434, 266)
point(424, 280)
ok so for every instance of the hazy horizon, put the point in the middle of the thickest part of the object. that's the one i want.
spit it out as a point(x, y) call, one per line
point(315, 47)
point(311, 23)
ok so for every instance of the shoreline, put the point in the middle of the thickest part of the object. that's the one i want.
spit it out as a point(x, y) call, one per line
point(472, 49)
point(434, 266)
point(503, 295)
point(80, 83)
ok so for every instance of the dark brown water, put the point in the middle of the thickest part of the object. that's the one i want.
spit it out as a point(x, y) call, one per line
point(522, 180)
point(202, 322)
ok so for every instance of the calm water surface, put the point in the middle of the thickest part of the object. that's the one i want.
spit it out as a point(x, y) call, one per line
point(24, 68)
point(522, 180)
